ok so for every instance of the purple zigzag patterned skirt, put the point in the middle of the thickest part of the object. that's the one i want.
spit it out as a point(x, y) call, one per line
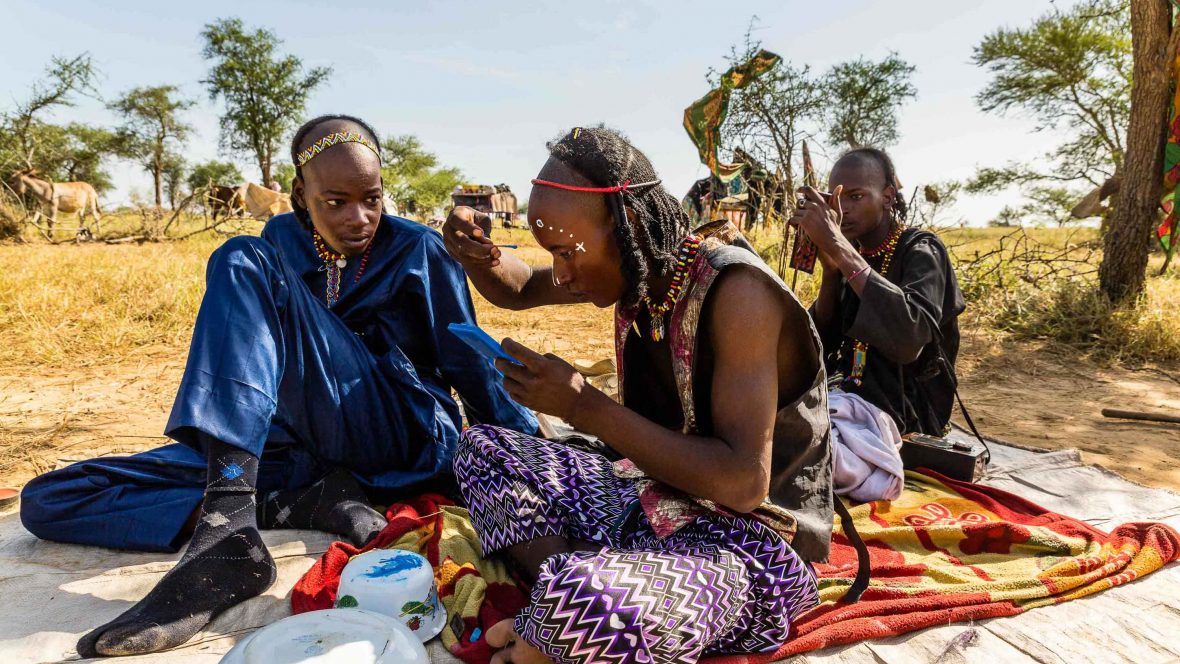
point(719, 584)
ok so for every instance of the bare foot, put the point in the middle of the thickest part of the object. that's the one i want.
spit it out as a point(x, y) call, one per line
point(512, 648)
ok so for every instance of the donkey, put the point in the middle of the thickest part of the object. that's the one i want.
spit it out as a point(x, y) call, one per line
point(68, 197)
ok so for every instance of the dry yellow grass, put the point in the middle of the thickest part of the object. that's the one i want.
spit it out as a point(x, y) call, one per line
point(1010, 290)
point(93, 304)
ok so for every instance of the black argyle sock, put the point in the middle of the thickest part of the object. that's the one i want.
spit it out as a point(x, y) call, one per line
point(225, 563)
point(335, 504)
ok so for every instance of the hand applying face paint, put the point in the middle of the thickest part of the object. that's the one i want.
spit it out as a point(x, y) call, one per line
point(467, 237)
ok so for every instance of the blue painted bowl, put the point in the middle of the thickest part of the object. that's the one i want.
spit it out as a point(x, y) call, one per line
point(396, 583)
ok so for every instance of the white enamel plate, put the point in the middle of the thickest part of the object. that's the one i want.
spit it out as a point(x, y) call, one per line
point(331, 636)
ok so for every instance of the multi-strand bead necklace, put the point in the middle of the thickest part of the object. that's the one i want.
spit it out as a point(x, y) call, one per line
point(689, 250)
point(334, 263)
point(860, 350)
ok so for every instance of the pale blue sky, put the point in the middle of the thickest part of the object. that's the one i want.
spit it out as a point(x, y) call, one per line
point(484, 85)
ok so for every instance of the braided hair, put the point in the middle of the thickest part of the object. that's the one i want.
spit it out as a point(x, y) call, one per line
point(606, 158)
point(300, 136)
point(898, 207)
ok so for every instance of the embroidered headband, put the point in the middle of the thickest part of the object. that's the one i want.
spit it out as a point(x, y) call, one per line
point(335, 139)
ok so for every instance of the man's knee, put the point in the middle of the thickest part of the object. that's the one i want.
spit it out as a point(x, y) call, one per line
point(242, 250)
point(482, 445)
point(246, 262)
point(40, 504)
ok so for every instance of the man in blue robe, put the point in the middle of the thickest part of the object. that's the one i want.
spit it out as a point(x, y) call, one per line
point(321, 369)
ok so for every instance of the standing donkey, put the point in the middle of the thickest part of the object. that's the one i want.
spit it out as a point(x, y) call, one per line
point(68, 197)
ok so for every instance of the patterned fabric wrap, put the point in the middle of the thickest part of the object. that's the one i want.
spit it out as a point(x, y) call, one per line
point(719, 583)
point(945, 552)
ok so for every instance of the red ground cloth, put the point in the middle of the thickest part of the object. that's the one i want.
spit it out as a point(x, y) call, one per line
point(944, 552)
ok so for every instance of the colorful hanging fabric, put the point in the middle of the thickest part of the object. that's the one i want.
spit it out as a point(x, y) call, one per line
point(1166, 232)
point(703, 119)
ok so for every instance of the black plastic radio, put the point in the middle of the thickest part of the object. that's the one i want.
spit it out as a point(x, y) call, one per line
point(957, 459)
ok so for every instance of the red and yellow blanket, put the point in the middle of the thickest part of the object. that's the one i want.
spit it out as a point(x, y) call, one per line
point(944, 552)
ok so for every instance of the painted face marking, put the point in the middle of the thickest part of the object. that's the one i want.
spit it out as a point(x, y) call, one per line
point(579, 246)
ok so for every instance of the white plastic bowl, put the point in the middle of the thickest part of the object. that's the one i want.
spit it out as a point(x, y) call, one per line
point(396, 583)
point(331, 636)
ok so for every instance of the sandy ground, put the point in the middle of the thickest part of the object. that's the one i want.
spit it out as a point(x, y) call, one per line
point(1019, 391)
point(1050, 398)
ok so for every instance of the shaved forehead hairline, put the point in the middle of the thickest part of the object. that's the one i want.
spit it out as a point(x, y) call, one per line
point(556, 170)
point(859, 160)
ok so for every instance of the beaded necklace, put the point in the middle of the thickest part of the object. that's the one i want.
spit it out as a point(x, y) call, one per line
point(860, 350)
point(689, 250)
point(334, 263)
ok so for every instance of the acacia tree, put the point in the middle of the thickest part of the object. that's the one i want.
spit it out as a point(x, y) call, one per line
point(853, 104)
point(173, 177)
point(66, 153)
point(265, 93)
point(152, 131)
point(214, 172)
point(1155, 42)
point(863, 98)
point(23, 127)
point(1070, 71)
point(413, 177)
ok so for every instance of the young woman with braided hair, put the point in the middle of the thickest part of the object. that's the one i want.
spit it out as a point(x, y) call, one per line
point(889, 302)
point(686, 528)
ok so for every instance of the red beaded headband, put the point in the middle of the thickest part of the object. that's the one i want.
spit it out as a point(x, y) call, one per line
point(597, 190)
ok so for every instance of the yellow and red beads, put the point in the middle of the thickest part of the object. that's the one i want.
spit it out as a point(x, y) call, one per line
point(334, 263)
point(689, 250)
point(860, 350)
point(885, 247)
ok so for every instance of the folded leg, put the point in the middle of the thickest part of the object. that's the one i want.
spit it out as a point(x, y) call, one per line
point(140, 502)
point(143, 502)
point(265, 351)
point(718, 584)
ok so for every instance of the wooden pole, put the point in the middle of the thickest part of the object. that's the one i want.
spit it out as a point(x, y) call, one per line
point(1135, 415)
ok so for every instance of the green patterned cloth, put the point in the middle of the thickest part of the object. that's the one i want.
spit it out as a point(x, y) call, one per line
point(703, 119)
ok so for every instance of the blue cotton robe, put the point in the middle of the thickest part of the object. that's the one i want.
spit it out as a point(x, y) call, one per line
point(365, 385)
